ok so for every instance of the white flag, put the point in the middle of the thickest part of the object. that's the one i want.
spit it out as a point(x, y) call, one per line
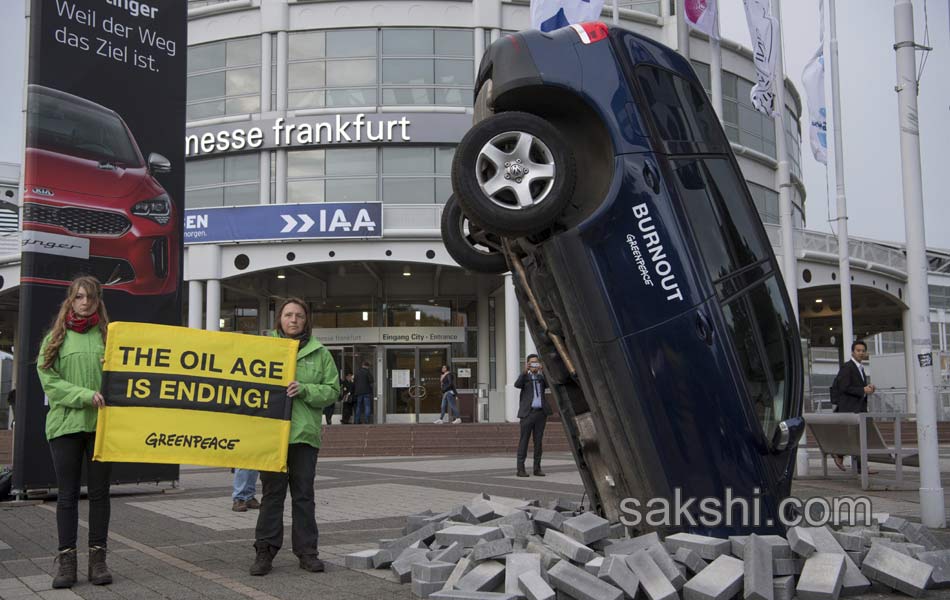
point(548, 15)
point(701, 15)
point(763, 28)
point(813, 80)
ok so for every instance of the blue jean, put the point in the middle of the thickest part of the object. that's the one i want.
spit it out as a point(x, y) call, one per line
point(448, 402)
point(364, 408)
point(245, 481)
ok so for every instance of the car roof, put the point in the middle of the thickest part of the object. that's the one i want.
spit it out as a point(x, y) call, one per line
point(69, 98)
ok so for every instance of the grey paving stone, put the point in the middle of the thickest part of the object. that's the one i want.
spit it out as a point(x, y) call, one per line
point(629, 546)
point(857, 557)
point(451, 554)
point(462, 567)
point(361, 560)
point(477, 512)
point(417, 521)
point(783, 588)
point(549, 558)
point(467, 535)
point(470, 595)
point(422, 534)
point(586, 528)
point(432, 572)
point(721, 580)
point(484, 577)
point(652, 580)
point(568, 547)
point(616, 572)
point(896, 570)
point(854, 582)
point(580, 584)
point(402, 565)
point(801, 542)
point(517, 564)
point(918, 534)
point(822, 577)
point(940, 561)
point(534, 587)
point(594, 565)
point(708, 548)
point(382, 559)
point(787, 566)
point(849, 542)
point(778, 545)
point(425, 589)
point(894, 524)
point(690, 559)
point(548, 519)
point(758, 580)
point(663, 560)
point(492, 549)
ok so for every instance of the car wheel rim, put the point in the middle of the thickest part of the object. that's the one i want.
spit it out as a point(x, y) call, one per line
point(515, 170)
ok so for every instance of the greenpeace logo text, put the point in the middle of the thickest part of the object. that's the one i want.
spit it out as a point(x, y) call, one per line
point(739, 511)
point(180, 440)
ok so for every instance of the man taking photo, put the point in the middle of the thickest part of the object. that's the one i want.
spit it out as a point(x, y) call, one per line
point(533, 412)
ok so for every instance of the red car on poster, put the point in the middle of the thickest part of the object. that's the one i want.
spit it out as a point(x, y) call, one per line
point(91, 203)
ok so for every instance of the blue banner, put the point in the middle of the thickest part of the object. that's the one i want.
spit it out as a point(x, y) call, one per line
point(284, 222)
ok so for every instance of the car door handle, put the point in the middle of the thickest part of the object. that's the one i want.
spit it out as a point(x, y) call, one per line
point(703, 328)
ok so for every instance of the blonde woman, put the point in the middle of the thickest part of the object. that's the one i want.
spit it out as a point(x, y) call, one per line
point(70, 370)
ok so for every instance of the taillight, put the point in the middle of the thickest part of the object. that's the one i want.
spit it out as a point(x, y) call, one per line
point(590, 32)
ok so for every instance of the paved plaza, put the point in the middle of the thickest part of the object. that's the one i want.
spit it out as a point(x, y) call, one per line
point(185, 543)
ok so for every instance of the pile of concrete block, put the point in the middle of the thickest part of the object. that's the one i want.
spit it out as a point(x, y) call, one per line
point(502, 549)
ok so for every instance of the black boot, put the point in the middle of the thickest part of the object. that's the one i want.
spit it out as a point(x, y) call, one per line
point(98, 571)
point(263, 562)
point(521, 472)
point(66, 574)
point(310, 562)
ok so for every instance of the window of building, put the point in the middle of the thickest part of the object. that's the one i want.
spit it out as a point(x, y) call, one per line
point(225, 181)
point(414, 67)
point(416, 175)
point(766, 203)
point(224, 78)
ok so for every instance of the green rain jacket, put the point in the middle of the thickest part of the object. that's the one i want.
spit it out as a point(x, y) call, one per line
point(73, 380)
point(319, 387)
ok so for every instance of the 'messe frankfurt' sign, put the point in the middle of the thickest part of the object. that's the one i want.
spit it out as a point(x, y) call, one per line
point(284, 221)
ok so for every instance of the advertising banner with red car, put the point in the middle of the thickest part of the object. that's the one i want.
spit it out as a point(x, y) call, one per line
point(103, 179)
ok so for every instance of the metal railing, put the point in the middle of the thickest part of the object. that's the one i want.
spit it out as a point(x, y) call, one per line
point(890, 401)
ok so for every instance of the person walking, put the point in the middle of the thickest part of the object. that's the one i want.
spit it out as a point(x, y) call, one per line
point(852, 388)
point(533, 412)
point(316, 386)
point(363, 390)
point(449, 396)
point(69, 366)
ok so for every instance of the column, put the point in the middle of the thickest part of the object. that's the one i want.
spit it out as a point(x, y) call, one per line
point(213, 312)
point(266, 66)
point(263, 315)
point(482, 319)
point(195, 303)
point(911, 404)
point(513, 356)
point(501, 354)
point(529, 347)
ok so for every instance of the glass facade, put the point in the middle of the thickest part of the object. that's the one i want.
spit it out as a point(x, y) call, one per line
point(223, 181)
point(224, 78)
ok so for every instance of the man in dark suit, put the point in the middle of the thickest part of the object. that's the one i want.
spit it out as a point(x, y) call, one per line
point(533, 412)
point(363, 391)
point(853, 388)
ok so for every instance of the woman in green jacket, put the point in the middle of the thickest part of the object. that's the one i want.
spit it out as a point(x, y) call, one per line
point(317, 385)
point(70, 370)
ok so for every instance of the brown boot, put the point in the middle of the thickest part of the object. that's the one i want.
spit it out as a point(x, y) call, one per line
point(66, 573)
point(98, 571)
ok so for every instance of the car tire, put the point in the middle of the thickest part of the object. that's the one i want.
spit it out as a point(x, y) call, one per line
point(507, 197)
point(471, 247)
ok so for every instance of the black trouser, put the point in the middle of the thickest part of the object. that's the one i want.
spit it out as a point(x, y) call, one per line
point(69, 453)
point(328, 412)
point(301, 469)
point(347, 412)
point(532, 425)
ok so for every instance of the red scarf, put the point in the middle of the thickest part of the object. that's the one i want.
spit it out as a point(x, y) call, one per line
point(81, 324)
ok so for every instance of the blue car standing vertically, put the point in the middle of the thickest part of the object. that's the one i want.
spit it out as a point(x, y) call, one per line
point(598, 173)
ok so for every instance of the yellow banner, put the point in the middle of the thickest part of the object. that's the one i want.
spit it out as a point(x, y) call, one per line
point(179, 395)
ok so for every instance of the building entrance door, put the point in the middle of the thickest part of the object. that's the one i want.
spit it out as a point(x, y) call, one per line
point(413, 388)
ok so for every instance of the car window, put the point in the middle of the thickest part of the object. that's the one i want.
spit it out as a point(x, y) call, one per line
point(680, 112)
point(78, 130)
point(721, 216)
point(759, 326)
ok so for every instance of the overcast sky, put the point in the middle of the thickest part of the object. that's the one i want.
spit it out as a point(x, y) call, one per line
point(869, 108)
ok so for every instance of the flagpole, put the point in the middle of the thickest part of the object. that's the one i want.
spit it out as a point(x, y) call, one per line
point(783, 177)
point(844, 261)
point(715, 68)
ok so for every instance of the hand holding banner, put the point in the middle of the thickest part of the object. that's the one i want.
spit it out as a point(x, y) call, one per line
point(177, 395)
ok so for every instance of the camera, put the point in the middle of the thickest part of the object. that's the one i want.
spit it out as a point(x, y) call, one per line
point(534, 364)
